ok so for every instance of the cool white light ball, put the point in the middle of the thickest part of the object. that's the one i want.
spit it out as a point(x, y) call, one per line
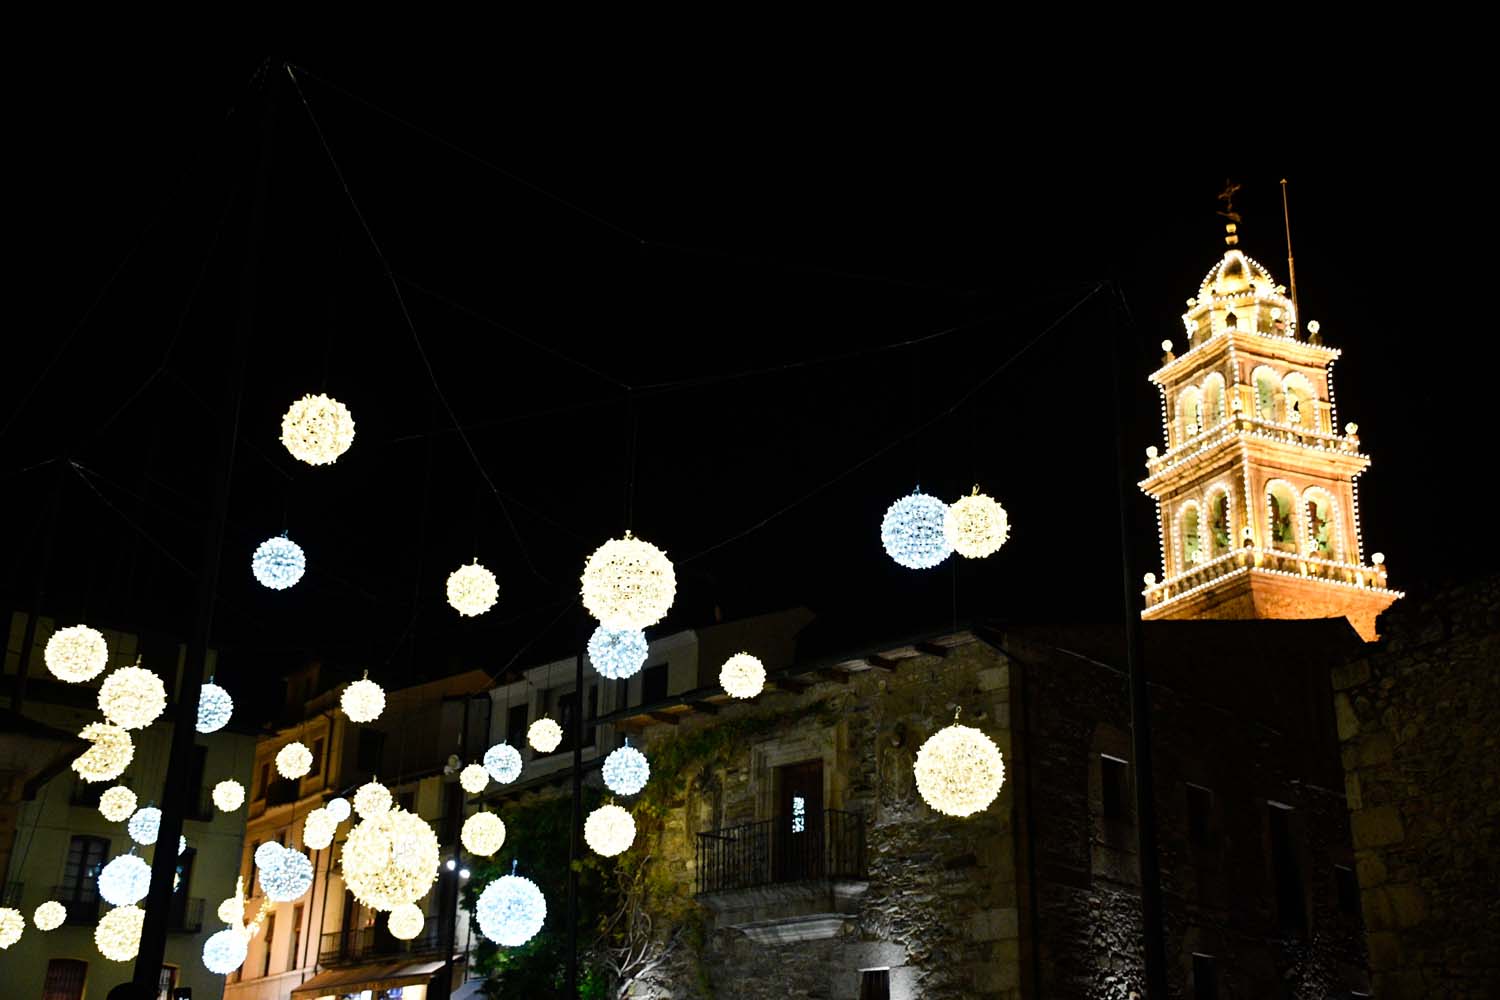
point(473, 778)
point(372, 799)
point(287, 877)
point(49, 916)
point(110, 754)
point(913, 531)
point(959, 771)
point(225, 951)
point(293, 760)
point(544, 735)
point(977, 526)
point(363, 701)
point(503, 762)
point(390, 859)
point(229, 795)
point(405, 921)
point(338, 809)
point(118, 935)
point(214, 708)
point(626, 771)
point(318, 829)
point(267, 853)
point(12, 924)
point(77, 653)
point(132, 698)
point(511, 910)
point(317, 429)
point(125, 880)
point(742, 676)
point(617, 653)
point(483, 834)
point(144, 825)
point(609, 830)
point(278, 563)
point(472, 589)
point(628, 583)
point(117, 803)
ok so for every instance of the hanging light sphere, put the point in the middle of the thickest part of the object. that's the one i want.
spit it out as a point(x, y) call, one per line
point(117, 803)
point(959, 770)
point(338, 809)
point(473, 778)
point(278, 563)
point(144, 826)
point(618, 653)
point(390, 859)
point(628, 583)
point(232, 910)
point(609, 830)
point(125, 880)
point(503, 762)
point(544, 735)
point(511, 910)
point(225, 951)
point(318, 829)
point(626, 770)
point(49, 916)
point(132, 698)
point(214, 708)
point(405, 921)
point(110, 754)
point(293, 760)
point(77, 653)
point(472, 589)
point(913, 533)
point(742, 676)
point(118, 935)
point(287, 877)
point(371, 800)
point(363, 701)
point(483, 833)
point(12, 923)
point(266, 853)
point(317, 429)
point(977, 525)
point(229, 795)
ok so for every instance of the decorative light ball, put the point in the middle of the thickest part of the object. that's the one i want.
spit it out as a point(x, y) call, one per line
point(214, 708)
point(77, 653)
point(1150, 579)
point(483, 833)
point(232, 910)
point(293, 760)
point(959, 770)
point(1377, 558)
point(609, 830)
point(125, 880)
point(117, 803)
point(229, 795)
point(618, 653)
point(472, 589)
point(12, 923)
point(1152, 451)
point(503, 762)
point(742, 676)
point(626, 770)
point(390, 859)
point(511, 910)
point(473, 778)
point(1166, 345)
point(338, 809)
point(1351, 428)
point(118, 935)
point(318, 829)
point(977, 526)
point(913, 531)
point(225, 951)
point(544, 735)
point(266, 853)
point(317, 429)
point(49, 916)
point(110, 754)
point(287, 877)
point(278, 563)
point(132, 697)
point(628, 583)
point(1275, 312)
point(1314, 326)
point(405, 921)
point(144, 825)
point(371, 800)
point(363, 701)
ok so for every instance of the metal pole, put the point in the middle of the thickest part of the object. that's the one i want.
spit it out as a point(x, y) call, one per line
point(1140, 701)
point(442, 983)
point(571, 988)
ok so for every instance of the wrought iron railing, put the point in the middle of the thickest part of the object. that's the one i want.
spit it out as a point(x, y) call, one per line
point(814, 845)
point(360, 943)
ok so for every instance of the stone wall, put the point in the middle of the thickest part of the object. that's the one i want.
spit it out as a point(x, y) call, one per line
point(1417, 720)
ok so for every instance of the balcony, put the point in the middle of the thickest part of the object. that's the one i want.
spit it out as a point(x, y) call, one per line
point(361, 944)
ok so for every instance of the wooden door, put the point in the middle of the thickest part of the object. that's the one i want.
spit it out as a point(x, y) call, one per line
point(798, 827)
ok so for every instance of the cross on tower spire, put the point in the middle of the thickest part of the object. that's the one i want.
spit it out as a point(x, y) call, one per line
point(1231, 228)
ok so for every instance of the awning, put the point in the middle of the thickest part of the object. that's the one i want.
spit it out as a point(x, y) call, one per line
point(381, 976)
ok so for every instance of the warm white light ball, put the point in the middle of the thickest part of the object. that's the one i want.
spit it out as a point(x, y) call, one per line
point(977, 526)
point(144, 825)
point(338, 809)
point(626, 770)
point(225, 951)
point(77, 653)
point(125, 880)
point(214, 708)
point(511, 910)
point(544, 735)
point(390, 859)
point(372, 799)
point(132, 697)
point(363, 701)
point(12, 924)
point(959, 770)
point(118, 935)
point(287, 877)
point(913, 531)
point(229, 795)
point(405, 921)
point(628, 583)
point(609, 830)
point(293, 760)
point(483, 834)
point(117, 803)
point(49, 916)
point(232, 910)
point(1377, 558)
point(618, 653)
point(742, 676)
point(472, 589)
point(473, 778)
point(503, 762)
point(110, 754)
point(318, 829)
point(278, 563)
point(317, 429)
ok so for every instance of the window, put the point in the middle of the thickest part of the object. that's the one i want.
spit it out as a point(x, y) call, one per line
point(1218, 521)
point(316, 771)
point(1205, 978)
point(406, 800)
point(65, 979)
point(87, 793)
point(875, 984)
point(1192, 537)
point(567, 705)
point(265, 968)
point(654, 684)
point(1200, 811)
point(294, 961)
point(86, 855)
point(250, 879)
point(199, 806)
point(1286, 871)
point(370, 751)
point(516, 718)
point(1265, 394)
point(1281, 504)
point(1113, 773)
point(1301, 401)
point(622, 692)
point(264, 783)
point(1213, 399)
point(1321, 538)
point(165, 981)
point(1348, 890)
point(1190, 411)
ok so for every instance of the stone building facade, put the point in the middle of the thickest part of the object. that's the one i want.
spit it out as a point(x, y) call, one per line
point(1416, 719)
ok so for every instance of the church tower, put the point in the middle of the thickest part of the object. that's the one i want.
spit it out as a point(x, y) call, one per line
point(1257, 491)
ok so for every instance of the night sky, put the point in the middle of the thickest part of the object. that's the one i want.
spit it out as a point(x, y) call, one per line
point(706, 285)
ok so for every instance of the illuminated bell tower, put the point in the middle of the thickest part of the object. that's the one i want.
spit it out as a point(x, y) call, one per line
point(1257, 491)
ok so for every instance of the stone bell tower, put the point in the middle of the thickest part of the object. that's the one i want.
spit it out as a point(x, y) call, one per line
point(1257, 490)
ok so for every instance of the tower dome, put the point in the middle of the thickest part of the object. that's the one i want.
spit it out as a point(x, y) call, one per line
point(1233, 275)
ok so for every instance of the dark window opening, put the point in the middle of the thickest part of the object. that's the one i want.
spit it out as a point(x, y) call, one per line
point(316, 771)
point(875, 984)
point(622, 692)
point(371, 750)
point(65, 979)
point(1205, 978)
point(516, 718)
point(250, 880)
point(407, 801)
point(294, 961)
point(264, 783)
point(1200, 804)
point(567, 705)
point(1348, 890)
point(200, 806)
point(654, 684)
point(265, 969)
point(1291, 904)
point(86, 855)
point(1113, 773)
